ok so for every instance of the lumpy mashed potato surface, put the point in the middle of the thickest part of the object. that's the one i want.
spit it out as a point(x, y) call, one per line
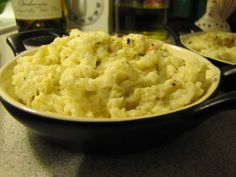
point(92, 74)
point(217, 45)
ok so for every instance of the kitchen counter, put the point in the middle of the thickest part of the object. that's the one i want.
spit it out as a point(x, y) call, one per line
point(208, 150)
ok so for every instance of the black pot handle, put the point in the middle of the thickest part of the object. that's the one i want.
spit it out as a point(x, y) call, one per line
point(176, 28)
point(37, 37)
point(228, 78)
point(214, 104)
point(226, 93)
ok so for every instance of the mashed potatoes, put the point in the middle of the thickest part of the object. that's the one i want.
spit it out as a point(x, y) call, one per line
point(92, 74)
point(216, 45)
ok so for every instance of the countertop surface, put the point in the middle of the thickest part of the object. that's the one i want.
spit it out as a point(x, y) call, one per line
point(208, 150)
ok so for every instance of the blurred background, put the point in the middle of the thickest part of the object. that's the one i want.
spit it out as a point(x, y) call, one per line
point(192, 10)
point(114, 16)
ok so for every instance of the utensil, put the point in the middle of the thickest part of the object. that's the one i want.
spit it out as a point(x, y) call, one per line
point(119, 135)
point(181, 31)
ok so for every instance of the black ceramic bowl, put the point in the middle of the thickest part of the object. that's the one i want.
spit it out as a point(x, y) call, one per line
point(182, 31)
point(121, 134)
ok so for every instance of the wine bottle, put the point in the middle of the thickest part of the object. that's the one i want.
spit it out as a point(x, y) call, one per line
point(36, 14)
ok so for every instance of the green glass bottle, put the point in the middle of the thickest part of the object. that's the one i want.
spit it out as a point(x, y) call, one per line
point(36, 14)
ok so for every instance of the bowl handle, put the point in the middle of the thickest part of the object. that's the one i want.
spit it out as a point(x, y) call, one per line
point(177, 28)
point(34, 38)
point(214, 104)
point(226, 94)
point(228, 78)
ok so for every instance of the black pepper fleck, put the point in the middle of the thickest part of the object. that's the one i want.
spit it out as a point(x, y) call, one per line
point(128, 41)
point(141, 54)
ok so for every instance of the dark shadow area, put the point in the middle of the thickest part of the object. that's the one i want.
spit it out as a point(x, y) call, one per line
point(58, 161)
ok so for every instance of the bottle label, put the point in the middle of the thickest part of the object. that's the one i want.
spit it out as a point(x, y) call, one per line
point(37, 9)
point(160, 4)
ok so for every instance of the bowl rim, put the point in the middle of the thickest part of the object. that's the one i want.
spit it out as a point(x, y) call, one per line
point(56, 116)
